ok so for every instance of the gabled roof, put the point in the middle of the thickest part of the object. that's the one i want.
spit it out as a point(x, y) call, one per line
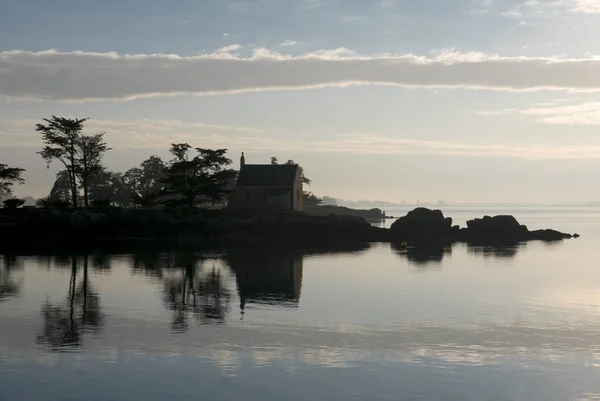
point(267, 175)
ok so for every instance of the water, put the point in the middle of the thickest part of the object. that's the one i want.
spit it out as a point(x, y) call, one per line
point(467, 323)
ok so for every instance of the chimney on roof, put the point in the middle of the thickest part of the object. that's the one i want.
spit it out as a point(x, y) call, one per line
point(242, 161)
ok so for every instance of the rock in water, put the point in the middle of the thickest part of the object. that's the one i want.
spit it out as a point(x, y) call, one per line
point(550, 235)
point(423, 225)
point(496, 229)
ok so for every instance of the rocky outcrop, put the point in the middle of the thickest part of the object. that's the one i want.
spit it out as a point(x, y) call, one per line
point(551, 235)
point(422, 226)
point(425, 226)
point(496, 229)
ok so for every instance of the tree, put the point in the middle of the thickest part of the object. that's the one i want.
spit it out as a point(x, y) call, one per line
point(8, 177)
point(107, 186)
point(61, 190)
point(310, 199)
point(303, 177)
point(144, 182)
point(203, 178)
point(60, 136)
point(81, 155)
point(327, 200)
point(13, 203)
point(90, 150)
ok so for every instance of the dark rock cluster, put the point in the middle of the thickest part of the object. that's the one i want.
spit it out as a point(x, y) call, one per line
point(425, 226)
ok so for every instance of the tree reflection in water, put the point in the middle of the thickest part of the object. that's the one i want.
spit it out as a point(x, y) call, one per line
point(192, 289)
point(65, 323)
point(9, 287)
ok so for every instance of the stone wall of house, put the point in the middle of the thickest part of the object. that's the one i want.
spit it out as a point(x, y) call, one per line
point(298, 192)
point(256, 198)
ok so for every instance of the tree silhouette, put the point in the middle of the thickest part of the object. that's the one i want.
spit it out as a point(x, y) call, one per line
point(13, 203)
point(144, 182)
point(308, 198)
point(107, 186)
point(8, 177)
point(60, 136)
point(303, 177)
point(81, 155)
point(61, 190)
point(90, 149)
point(197, 179)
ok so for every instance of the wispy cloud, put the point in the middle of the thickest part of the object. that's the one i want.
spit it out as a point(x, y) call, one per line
point(587, 6)
point(516, 14)
point(83, 76)
point(288, 43)
point(146, 133)
point(159, 134)
point(549, 7)
point(482, 6)
point(230, 48)
point(577, 114)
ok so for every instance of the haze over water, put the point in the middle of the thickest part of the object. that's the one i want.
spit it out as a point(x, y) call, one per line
point(464, 323)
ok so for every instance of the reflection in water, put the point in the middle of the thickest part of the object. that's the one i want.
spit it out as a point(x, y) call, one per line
point(496, 251)
point(365, 328)
point(192, 289)
point(434, 255)
point(64, 324)
point(423, 255)
point(267, 277)
point(150, 263)
point(9, 287)
point(100, 261)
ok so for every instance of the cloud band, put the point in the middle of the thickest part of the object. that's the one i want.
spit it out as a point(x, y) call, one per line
point(84, 76)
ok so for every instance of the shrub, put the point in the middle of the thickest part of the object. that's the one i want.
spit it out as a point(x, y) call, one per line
point(13, 203)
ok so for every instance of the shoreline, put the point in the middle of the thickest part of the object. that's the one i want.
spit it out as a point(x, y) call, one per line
point(42, 228)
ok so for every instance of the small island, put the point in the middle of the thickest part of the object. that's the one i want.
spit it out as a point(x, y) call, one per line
point(34, 227)
point(196, 199)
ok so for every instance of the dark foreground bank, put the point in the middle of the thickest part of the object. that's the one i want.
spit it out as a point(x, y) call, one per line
point(222, 228)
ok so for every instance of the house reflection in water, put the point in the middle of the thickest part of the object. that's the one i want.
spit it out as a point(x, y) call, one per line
point(272, 278)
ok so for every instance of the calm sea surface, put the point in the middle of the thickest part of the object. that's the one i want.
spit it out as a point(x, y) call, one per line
point(466, 323)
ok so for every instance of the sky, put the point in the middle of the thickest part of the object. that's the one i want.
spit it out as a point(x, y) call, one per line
point(466, 101)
